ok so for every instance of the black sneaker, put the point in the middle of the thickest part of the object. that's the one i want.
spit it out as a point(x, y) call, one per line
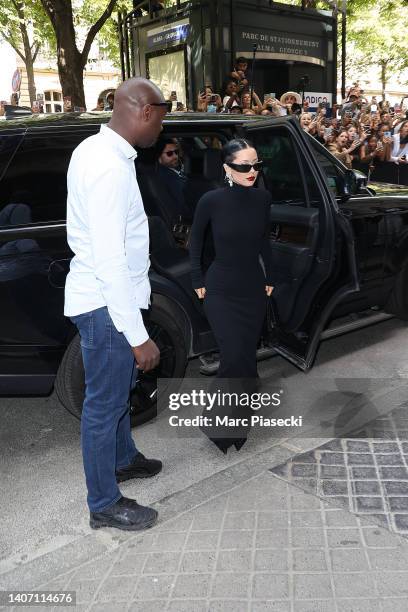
point(139, 468)
point(125, 514)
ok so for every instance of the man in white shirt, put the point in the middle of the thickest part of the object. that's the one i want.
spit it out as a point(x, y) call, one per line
point(106, 287)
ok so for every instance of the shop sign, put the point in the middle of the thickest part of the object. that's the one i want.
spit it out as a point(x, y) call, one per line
point(315, 98)
point(169, 34)
point(16, 81)
point(281, 43)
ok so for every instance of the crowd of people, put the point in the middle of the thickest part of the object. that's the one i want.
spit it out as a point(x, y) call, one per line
point(360, 131)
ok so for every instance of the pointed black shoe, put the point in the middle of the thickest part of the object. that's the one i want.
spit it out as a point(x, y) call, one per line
point(222, 443)
point(139, 468)
point(125, 514)
point(239, 443)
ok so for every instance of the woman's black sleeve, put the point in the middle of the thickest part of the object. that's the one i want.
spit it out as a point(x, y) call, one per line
point(201, 219)
point(266, 250)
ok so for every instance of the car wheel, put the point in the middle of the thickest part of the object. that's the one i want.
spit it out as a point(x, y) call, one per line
point(70, 383)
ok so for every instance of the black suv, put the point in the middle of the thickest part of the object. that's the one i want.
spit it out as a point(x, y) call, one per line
point(339, 247)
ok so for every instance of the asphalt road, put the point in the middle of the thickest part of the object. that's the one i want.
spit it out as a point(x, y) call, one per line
point(43, 496)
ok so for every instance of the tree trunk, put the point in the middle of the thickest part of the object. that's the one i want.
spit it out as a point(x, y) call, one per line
point(29, 56)
point(70, 70)
point(32, 92)
point(71, 62)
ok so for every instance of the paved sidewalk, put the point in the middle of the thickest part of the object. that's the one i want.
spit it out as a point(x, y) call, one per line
point(263, 545)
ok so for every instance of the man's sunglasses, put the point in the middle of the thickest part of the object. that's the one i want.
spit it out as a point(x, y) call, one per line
point(172, 152)
point(246, 167)
point(164, 104)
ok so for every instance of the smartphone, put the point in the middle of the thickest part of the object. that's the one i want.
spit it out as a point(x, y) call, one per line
point(213, 98)
point(328, 131)
point(269, 95)
point(387, 134)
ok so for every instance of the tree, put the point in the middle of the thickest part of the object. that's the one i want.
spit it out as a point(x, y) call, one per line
point(24, 25)
point(376, 37)
point(70, 60)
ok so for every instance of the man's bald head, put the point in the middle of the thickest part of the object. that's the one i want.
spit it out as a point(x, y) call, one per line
point(135, 115)
point(137, 91)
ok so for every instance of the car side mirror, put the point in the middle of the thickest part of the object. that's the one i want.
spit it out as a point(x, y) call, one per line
point(354, 182)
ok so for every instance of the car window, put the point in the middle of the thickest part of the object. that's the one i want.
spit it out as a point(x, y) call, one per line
point(200, 170)
point(285, 171)
point(34, 186)
point(8, 146)
point(331, 171)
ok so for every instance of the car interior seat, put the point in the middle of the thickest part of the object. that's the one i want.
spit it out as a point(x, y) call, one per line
point(204, 173)
point(166, 257)
point(155, 198)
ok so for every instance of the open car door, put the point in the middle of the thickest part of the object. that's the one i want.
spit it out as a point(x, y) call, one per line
point(312, 246)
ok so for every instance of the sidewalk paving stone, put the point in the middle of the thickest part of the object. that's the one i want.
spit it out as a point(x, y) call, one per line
point(319, 558)
point(366, 473)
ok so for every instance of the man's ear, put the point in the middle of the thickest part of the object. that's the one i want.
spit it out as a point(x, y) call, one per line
point(146, 112)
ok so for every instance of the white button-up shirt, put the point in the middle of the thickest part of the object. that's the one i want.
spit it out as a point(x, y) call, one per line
point(108, 232)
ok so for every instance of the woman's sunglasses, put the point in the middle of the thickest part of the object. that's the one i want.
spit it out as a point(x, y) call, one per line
point(172, 152)
point(246, 167)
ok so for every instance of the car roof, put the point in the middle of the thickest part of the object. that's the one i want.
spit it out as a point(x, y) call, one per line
point(88, 118)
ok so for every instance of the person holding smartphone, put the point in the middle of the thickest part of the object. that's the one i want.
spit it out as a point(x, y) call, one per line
point(231, 95)
point(340, 148)
point(399, 150)
point(257, 105)
point(371, 151)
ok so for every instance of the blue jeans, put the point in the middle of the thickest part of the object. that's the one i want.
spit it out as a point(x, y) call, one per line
point(107, 443)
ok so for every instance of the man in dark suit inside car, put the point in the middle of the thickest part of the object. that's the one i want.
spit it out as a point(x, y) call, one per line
point(172, 177)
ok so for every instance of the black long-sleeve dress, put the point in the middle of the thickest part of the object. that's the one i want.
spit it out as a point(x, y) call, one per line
point(235, 299)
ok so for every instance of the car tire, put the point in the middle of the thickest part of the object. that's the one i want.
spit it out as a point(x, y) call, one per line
point(70, 383)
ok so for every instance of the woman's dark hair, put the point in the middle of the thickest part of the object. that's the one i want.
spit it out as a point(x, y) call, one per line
point(403, 140)
point(231, 148)
point(337, 133)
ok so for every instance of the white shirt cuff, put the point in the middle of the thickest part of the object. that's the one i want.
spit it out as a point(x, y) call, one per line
point(136, 337)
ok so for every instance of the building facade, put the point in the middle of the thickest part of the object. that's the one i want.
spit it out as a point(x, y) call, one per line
point(99, 76)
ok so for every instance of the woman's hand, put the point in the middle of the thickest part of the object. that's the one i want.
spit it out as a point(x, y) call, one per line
point(200, 292)
point(268, 290)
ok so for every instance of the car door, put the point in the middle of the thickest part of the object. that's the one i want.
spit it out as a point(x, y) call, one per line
point(367, 218)
point(34, 254)
point(311, 242)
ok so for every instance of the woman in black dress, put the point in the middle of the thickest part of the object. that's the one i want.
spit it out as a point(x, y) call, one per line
point(235, 287)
